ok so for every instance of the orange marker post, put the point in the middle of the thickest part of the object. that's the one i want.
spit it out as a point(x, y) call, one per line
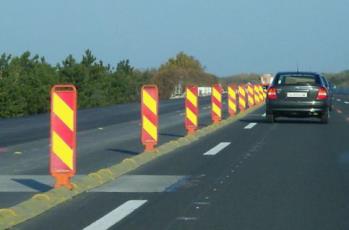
point(216, 103)
point(232, 100)
point(250, 95)
point(149, 113)
point(242, 98)
point(63, 134)
point(191, 109)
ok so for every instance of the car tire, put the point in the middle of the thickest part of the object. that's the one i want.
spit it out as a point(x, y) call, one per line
point(325, 116)
point(270, 118)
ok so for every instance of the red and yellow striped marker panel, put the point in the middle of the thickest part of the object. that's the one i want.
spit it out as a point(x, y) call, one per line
point(242, 97)
point(260, 90)
point(256, 94)
point(149, 110)
point(250, 95)
point(63, 134)
point(216, 103)
point(232, 100)
point(265, 93)
point(191, 109)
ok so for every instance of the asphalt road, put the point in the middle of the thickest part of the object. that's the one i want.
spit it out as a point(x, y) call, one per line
point(106, 136)
point(292, 174)
point(19, 130)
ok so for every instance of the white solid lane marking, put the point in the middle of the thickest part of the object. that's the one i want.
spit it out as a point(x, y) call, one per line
point(346, 102)
point(250, 126)
point(116, 215)
point(264, 114)
point(217, 149)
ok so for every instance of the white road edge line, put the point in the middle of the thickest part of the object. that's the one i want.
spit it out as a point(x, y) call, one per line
point(217, 149)
point(116, 215)
point(250, 126)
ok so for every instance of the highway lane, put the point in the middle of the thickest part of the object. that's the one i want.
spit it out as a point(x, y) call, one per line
point(98, 147)
point(18, 130)
point(292, 174)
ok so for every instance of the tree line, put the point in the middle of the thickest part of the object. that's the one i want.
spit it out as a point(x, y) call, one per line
point(26, 80)
point(340, 79)
point(241, 78)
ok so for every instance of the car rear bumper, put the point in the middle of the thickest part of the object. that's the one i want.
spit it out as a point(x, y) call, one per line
point(295, 107)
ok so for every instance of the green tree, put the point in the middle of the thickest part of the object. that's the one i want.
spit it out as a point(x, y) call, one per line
point(25, 86)
point(182, 69)
point(26, 80)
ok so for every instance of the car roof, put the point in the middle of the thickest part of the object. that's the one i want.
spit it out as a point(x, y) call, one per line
point(298, 73)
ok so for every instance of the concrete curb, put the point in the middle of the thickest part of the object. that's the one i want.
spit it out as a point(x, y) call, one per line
point(42, 202)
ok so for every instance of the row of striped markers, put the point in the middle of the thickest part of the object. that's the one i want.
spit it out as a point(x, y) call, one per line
point(236, 99)
point(64, 110)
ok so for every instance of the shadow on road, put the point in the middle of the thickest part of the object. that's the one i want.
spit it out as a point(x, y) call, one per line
point(171, 135)
point(34, 184)
point(298, 121)
point(124, 151)
point(282, 120)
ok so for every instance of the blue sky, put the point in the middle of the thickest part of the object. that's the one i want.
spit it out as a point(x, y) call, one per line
point(227, 36)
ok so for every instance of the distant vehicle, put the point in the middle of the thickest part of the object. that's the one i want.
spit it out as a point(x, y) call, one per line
point(300, 94)
point(204, 91)
point(266, 80)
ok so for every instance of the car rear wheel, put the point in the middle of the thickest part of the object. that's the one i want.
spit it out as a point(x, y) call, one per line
point(325, 116)
point(270, 118)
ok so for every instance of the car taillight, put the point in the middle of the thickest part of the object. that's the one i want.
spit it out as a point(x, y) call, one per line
point(322, 94)
point(272, 93)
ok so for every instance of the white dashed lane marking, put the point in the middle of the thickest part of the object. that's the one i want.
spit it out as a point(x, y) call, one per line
point(116, 215)
point(250, 126)
point(217, 149)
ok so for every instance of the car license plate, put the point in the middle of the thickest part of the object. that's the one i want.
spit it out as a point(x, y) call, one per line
point(297, 94)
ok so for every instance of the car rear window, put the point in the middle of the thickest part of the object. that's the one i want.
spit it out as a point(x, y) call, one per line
point(297, 80)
